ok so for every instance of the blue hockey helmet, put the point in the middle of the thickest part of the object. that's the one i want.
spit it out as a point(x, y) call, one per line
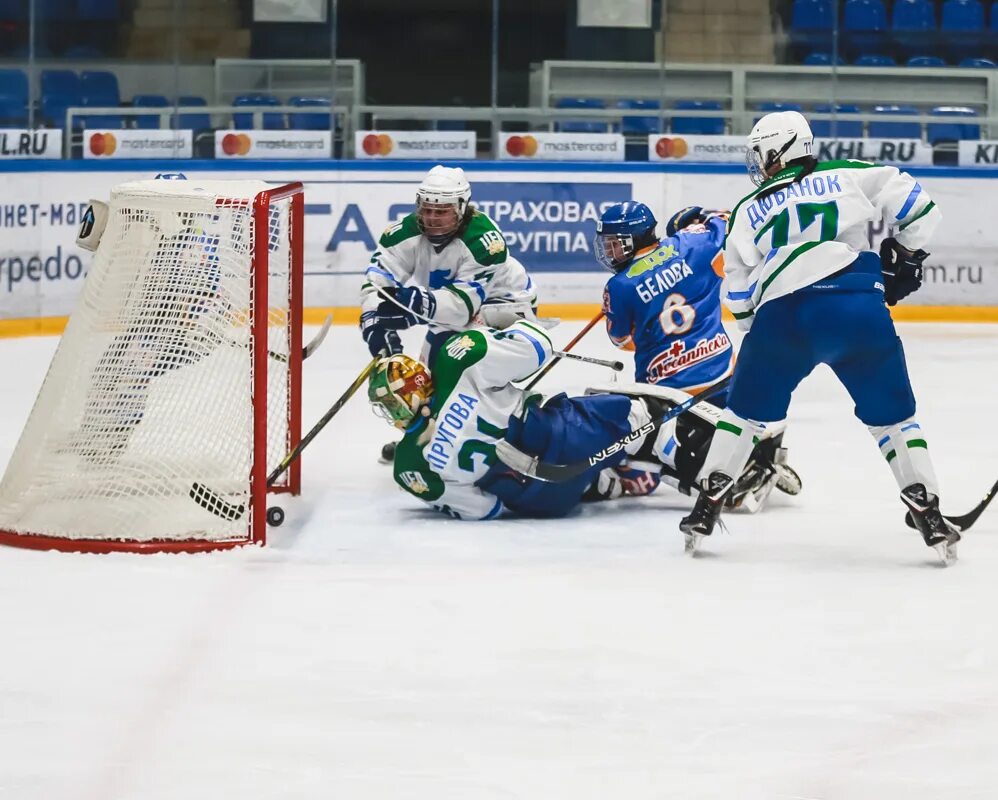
point(622, 230)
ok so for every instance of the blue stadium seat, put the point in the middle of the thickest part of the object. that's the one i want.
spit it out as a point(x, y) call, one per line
point(982, 63)
point(708, 126)
point(99, 89)
point(894, 130)
point(913, 26)
point(271, 121)
point(821, 60)
point(925, 61)
point(811, 23)
point(150, 121)
point(952, 131)
point(993, 27)
point(640, 126)
point(573, 126)
point(13, 98)
point(875, 60)
point(864, 26)
point(192, 121)
point(314, 121)
point(60, 90)
point(844, 129)
point(962, 27)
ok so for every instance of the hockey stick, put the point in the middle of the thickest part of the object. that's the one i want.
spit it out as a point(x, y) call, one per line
point(963, 521)
point(616, 366)
point(555, 473)
point(216, 504)
point(550, 365)
point(311, 347)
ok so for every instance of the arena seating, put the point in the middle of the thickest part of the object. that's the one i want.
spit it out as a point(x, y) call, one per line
point(580, 126)
point(272, 121)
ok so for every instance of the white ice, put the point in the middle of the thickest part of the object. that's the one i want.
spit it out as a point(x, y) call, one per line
point(377, 650)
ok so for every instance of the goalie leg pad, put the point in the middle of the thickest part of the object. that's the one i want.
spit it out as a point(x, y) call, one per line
point(907, 454)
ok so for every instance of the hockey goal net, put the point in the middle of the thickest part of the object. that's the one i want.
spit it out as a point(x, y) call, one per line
point(179, 368)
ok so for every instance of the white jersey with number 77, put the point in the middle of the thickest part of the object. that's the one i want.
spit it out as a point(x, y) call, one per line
point(794, 230)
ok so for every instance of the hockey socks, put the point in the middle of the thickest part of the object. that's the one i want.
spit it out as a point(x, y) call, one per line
point(907, 454)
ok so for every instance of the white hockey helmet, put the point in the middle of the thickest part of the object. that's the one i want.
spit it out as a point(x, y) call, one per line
point(443, 187)
point(777, 138)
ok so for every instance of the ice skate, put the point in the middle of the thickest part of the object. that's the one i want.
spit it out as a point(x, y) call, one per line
point(936, 531)
point(701, 520)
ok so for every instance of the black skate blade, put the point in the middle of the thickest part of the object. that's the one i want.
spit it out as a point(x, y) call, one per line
point(215, 503)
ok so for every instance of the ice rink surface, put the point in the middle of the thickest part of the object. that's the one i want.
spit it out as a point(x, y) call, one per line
point(377, 650)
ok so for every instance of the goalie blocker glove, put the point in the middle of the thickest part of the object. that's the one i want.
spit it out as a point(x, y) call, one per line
point(902, 269)
point(380, 339)
point(408, 306)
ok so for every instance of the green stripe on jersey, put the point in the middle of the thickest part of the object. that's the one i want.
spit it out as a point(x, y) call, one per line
point(919, 215)
point(789, 260)
point(917, 443)
point(727, 426)
point(465, 299)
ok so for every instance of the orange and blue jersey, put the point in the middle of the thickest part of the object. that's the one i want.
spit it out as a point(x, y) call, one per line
point(666, 307)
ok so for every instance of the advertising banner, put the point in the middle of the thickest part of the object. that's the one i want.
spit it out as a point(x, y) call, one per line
point(548, 219)
point(883, 151)
point(978, 154)
point(543, 146)
point(137, 144)
point(20, 143)
point(415, 144)
point(273, 144)
point(729, 149)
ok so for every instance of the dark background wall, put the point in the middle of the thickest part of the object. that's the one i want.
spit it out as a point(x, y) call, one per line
point(439, 52)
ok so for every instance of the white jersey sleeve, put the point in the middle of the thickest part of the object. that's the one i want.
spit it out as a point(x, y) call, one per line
point(903, 203)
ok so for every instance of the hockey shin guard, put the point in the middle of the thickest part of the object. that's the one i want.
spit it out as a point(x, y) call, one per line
point(732, 444)
point(904, 447)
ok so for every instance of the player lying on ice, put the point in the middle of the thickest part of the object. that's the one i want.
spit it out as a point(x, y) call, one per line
point(663, 303)
point(454, 418)
point(800, 280)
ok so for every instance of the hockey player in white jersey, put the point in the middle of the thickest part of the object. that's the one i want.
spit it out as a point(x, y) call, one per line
point(446, 265)
point(800, 280)
point(454, 418)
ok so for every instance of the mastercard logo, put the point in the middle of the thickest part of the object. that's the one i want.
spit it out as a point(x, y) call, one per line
point(236, 144)
point(377, 144)
point(521, 146)
point(671, 147)
point(103, 144)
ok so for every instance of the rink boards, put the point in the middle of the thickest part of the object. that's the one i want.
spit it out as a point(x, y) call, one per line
point(546, 211)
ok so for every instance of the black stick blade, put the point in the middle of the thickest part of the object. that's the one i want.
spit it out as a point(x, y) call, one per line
point(215, 503)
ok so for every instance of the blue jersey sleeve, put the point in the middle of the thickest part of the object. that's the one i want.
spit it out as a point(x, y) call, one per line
point(700, 245)
point(619, 313)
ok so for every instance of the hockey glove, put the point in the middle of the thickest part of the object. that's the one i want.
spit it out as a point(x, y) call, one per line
point(902, 269)
point(412, 305)
point(691, 215)
point(682, 218)
point(380, 340)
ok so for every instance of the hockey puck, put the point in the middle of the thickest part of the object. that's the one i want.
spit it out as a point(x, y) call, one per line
point(388, 453)
point(275, 516)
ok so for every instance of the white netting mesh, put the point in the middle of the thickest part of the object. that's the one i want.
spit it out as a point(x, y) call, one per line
point(150, 388)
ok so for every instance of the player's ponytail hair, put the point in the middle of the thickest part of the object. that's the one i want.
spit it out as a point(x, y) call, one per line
point(809, 163)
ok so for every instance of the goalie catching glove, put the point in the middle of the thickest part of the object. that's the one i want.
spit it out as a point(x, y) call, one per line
point(902, 269)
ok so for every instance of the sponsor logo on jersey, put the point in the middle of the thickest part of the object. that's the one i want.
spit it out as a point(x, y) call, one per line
point(651, 261)
point(414, 482)
point(459, 348)
point(677, 357)
point(493, 241)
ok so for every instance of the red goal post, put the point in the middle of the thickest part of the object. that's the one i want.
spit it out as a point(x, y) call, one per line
point(180, 365)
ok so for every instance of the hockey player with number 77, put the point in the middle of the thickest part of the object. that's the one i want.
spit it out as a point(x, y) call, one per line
point(801, 283)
